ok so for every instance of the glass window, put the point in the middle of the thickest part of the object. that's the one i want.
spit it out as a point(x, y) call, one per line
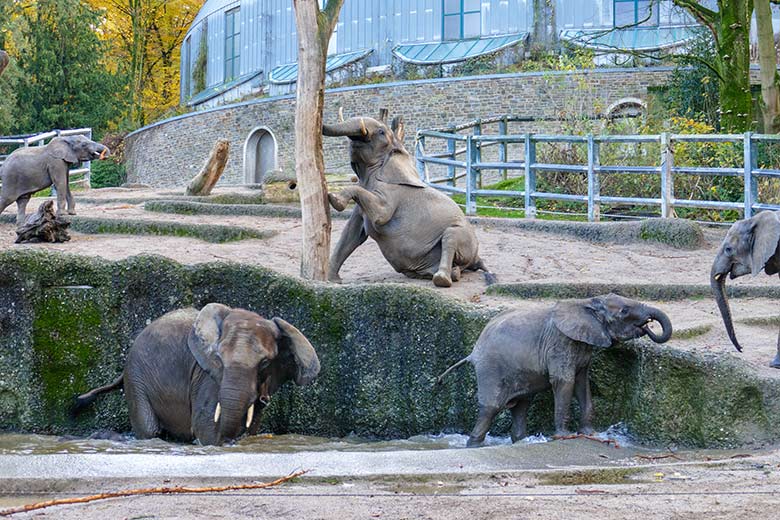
point(462, 19)
point(187, 72)
point(232, 44)
point(636, 12)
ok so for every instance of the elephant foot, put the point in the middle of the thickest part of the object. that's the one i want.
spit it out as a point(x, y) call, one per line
point(334, 278)
point(587, 430)
point(775, 362)
point(72, 212)
point(563, 434)
point(456, 272)
point(336, 202)
point(442, 279)
point(474, 443)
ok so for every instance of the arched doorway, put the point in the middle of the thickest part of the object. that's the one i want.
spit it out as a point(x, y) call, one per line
point(260, 155)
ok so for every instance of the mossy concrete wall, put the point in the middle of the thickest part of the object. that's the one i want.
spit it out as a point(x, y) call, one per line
point(66, 323)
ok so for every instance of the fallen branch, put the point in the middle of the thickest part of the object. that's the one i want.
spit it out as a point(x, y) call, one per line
point(148, 491)
point(658, 457)
point(583, 436)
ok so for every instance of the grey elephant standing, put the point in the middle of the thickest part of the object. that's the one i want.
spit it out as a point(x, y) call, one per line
point(520, 354)
point(208, 374)
point(29, 170)
point(750, 246)
point(421, 232)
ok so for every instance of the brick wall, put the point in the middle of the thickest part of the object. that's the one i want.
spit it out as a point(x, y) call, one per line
point(169, 153)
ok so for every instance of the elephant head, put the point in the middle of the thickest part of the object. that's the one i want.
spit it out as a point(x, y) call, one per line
point(241, 350)
point(372, 146)
point(605, 320)
point(75, 149)
point(749, 247)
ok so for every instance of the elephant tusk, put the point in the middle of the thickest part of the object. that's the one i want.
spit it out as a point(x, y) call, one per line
point(103, 154)
point(341, 114)
point(250, 414)
point(217, 412)
point(363, 127)
point(718, 276)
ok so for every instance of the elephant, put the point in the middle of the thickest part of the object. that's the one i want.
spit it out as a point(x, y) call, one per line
point(207, 375)
point(421, 232)
point(519, 354)
point(32, 169)
point(751, 245)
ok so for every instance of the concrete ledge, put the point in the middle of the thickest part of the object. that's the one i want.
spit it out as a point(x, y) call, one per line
point(654, 292)
point(206, 232)
point(257, 210)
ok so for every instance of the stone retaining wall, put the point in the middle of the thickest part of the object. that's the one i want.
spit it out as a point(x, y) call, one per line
point(169, 153)
point(66, 323)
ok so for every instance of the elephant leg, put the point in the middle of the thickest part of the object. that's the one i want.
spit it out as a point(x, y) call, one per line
point(582, 391)
point(453, 240)
point(485, 419)
point(456, 272)
point(562, 393)
point(21, 209)
point(354, 235)
point(375, 208)
point(776, 362)
point(142, 417)
point(71, 202)
point(4, 203)
point(519, 419)
point(59, 177)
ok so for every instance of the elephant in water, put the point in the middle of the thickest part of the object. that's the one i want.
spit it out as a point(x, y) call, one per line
point(750, 246)
point(32, 169)
point(202, 374)
point(522, 353)
point(420, 231)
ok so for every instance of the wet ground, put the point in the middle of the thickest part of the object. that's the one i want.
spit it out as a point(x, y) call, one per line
point(424, 477)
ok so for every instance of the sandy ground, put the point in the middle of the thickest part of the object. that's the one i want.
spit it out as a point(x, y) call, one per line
point(513, 255)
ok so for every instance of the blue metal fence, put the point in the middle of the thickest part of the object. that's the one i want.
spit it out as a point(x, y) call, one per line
point(462, 154)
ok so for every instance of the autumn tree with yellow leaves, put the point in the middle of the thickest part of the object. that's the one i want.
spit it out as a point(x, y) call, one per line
point(145, 38)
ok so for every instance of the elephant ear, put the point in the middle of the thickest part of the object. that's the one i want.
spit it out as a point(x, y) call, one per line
point(578, 320)
point(306, 360)
point(203, 340)
point(766, 235)
point(60, 147)
point(394, 173)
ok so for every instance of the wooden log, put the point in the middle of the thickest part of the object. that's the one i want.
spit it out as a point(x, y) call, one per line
point(43, 226)
point(203, 182)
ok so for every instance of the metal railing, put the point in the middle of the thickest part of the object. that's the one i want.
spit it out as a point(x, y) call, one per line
point(471, 167)
point(78, 176)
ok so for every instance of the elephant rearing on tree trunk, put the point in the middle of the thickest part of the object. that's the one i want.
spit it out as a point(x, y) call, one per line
point(420, 231)
point(750, 246)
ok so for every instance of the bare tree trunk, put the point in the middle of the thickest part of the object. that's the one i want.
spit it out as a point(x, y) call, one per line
point(3, 61)
point(204, 182)
point(314, 29)
point(767, 59)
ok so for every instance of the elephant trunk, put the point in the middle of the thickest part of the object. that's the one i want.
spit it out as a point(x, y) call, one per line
point(236, 398)
point(354, 127)
point(105, 152)
point(718, 285)
point(666, 325)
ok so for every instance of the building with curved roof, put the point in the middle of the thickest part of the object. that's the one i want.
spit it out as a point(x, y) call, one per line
point(239, 47)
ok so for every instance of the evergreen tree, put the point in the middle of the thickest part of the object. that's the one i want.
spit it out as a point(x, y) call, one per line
point(66, 82)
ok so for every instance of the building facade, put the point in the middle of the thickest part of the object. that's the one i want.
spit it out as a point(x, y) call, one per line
point(237, 48)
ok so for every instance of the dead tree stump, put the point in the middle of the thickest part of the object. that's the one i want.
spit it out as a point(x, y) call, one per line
point(43, 226)
point(204, 182)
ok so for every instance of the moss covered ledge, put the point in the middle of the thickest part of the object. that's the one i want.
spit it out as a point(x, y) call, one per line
point(66, 323)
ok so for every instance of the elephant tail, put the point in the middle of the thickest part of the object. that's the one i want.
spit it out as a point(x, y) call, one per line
point(87, 399)
point(453, 367)
point(490, 278)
